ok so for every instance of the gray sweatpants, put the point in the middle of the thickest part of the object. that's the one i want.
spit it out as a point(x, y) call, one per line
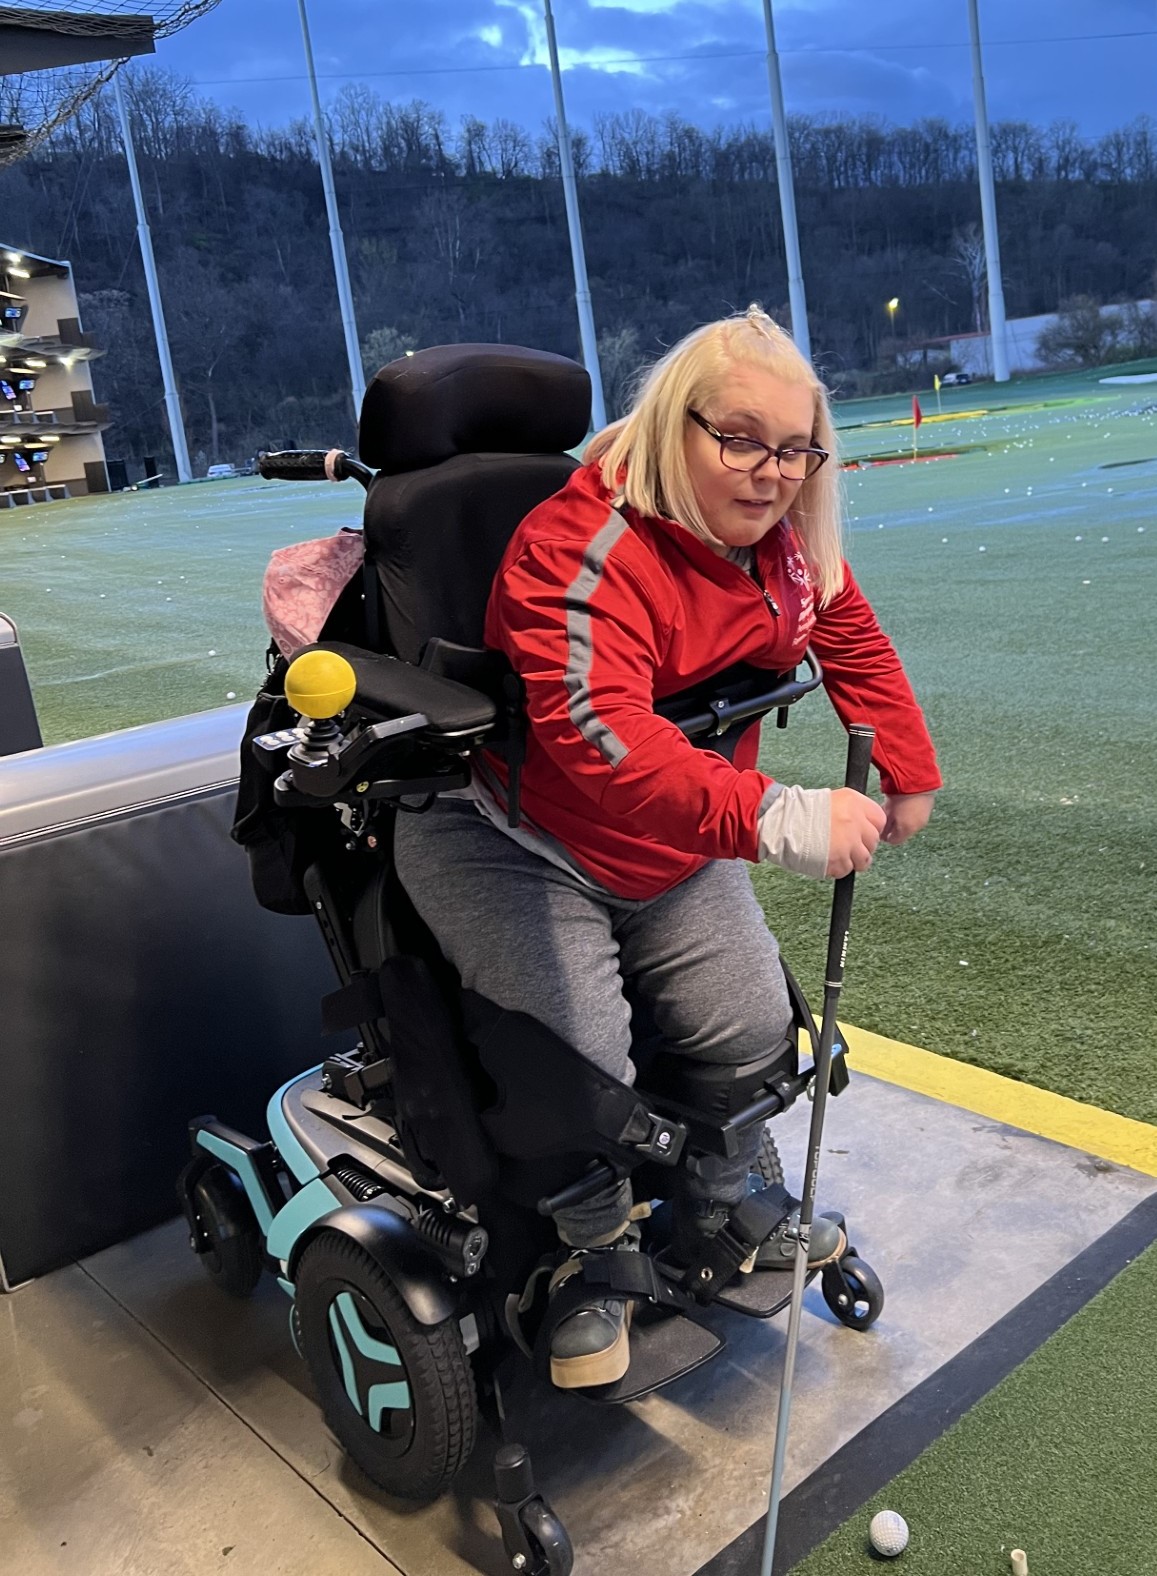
point(533, 938)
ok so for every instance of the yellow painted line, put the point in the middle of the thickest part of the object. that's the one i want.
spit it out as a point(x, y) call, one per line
point(1103, 1134)
point(955, 415)
point(906, 421)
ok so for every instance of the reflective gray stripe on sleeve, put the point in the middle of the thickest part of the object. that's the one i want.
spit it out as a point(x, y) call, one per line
point(580, 650)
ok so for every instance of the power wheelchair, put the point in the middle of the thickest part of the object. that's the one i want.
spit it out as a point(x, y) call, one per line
point(403, 1198)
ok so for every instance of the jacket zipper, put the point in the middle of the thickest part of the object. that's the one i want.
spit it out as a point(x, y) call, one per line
point(772, 605)
point(751, 579)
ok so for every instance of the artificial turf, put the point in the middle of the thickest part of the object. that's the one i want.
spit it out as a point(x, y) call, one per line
point(1016, 932)
point(1056, 1460)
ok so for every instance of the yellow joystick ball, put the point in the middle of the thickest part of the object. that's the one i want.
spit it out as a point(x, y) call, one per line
point(320, 684)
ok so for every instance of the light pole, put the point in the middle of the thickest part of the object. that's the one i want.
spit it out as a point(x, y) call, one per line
point(891, 307)
point(160, 333)
point(996, 328)
point(582, 289)
point(336, 239)
point(795, 290)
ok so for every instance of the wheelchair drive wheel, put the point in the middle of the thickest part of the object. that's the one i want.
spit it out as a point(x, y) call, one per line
point(767, 1162)
point(853, 1292)
point(232, 1254)
point(398, 1395)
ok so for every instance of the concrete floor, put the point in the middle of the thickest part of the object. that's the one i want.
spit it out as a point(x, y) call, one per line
point(153, 1427)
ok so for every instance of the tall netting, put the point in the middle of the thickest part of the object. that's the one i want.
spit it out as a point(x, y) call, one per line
point(34, 103)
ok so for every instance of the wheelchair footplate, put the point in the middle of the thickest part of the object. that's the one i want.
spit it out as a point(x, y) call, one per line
point(664, 1346)
point(666, 1340)
point(761, 1294)
point(758, 1294)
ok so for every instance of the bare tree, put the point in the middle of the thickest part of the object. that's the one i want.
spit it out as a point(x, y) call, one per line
point(621, 362)
point(1082, 336)
point(457, 237)
point(967, 258)
point(513, 150)
point(205, 327)
point(383, 346)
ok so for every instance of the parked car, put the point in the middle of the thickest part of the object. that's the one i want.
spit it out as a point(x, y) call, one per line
point(955, 379)
point(216, 472)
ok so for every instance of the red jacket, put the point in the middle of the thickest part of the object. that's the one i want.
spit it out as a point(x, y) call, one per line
point(603, 612)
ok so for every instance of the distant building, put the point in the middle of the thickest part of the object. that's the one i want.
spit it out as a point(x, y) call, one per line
point(50, 425)
point(973, 352)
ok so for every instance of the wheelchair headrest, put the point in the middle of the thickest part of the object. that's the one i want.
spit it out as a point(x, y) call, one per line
point(472, 399)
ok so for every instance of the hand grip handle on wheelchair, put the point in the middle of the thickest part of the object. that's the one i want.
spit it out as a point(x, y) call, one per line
point(313, 465)
point(293, 465)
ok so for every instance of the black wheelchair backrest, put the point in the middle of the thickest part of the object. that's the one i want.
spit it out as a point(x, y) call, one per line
point(466, 440)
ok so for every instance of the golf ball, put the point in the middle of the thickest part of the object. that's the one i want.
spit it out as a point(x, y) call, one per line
point(888, 1533)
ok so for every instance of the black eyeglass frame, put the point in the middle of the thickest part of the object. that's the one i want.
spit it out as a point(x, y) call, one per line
point(769, 453)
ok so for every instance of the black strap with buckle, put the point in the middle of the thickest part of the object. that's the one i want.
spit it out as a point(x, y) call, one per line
point(746, 1228)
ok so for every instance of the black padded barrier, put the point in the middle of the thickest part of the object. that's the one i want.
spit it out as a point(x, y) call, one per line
point(19, 728)
point(140, 985)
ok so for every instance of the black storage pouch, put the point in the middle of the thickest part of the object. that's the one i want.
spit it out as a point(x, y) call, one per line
point(280, 844)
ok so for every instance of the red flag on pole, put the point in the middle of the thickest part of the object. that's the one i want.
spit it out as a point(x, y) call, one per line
point(917, 413)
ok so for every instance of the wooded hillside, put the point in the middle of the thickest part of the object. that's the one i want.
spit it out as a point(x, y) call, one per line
point(459, 233)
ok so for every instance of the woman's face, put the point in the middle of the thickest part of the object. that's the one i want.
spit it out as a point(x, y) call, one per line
point(740, 507)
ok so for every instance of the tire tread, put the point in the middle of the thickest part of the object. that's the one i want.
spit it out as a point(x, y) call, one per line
point(437, 1368)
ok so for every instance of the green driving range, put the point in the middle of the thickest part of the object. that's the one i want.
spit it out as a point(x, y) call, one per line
point(1013, 560)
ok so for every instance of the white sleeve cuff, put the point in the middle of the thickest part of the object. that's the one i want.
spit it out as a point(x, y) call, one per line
point(795, 828)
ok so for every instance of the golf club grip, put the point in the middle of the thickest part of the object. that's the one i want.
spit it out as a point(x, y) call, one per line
point(860, 739)
point(293, 465)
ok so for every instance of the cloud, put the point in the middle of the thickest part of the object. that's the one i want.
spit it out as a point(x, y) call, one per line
point(900, 59)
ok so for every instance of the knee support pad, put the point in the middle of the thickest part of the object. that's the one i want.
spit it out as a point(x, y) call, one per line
point(715, 1091)
point(552, 1101)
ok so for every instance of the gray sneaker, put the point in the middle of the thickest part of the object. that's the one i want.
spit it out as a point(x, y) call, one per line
point(777, 1252)
point(591, 1345)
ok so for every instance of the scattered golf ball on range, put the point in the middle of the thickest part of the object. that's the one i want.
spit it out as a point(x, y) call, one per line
point(888, 1533)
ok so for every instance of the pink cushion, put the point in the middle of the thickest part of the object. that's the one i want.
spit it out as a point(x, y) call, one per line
point(302, 583)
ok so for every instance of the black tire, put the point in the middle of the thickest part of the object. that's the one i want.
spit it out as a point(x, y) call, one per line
point(548, 1537)
point(413, 1450)
point(853, 1292)
point(234, 1257)
point(767, 1162)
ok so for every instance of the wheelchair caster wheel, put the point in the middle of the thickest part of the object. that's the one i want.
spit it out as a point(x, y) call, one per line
point(853, 1292)
point(535, 1540)
point(551, 1552)
point(230, 1247)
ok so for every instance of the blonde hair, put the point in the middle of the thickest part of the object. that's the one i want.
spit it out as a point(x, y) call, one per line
point(644, 459)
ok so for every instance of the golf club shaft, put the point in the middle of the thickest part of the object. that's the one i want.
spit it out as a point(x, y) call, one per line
point(856, 776)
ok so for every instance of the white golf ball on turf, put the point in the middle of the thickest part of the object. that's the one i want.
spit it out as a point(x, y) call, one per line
point(888, 1533)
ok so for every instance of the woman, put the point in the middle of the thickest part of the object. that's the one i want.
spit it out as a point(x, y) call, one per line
point(703, 530)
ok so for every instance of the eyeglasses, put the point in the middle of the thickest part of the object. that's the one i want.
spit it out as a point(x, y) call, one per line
point(748, 454)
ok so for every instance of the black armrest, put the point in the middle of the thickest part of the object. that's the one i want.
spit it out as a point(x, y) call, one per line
point(388, 687)
point(739, 694)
